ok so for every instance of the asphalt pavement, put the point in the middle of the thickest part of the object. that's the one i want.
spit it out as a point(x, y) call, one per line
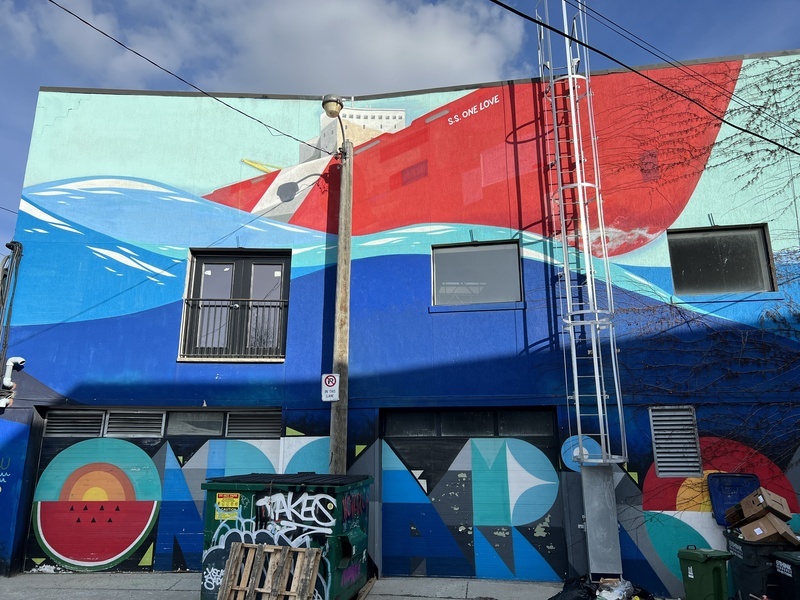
point(186, 586)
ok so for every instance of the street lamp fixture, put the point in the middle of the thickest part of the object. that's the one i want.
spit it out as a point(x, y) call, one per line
point(333, 105)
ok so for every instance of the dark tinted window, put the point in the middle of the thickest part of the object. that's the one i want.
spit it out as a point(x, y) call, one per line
point(721, 260)
point(476, 274)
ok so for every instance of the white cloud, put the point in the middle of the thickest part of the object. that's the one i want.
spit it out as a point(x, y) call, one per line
point(16, 31)
point(364, 46)
point(274, 46)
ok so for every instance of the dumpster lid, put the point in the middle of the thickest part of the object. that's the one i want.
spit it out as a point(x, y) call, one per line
point(293, 479)
point(793, 558)
point(703, 554)
point(727, 490)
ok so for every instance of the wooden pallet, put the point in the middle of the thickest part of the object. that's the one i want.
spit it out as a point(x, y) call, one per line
point(263, 572)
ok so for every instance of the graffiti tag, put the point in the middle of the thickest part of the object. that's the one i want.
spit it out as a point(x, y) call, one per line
point(306, 508)
point(353, 506)
point(212, 578)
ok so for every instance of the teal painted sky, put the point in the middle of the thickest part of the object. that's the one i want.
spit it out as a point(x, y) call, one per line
point(310, 47)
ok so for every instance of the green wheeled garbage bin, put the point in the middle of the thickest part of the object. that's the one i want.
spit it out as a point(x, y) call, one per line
point(303, 511)
point(705, 573)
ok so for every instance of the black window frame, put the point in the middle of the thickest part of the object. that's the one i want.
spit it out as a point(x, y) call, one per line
point(443, 423)
point(265, 423)
point(222, 329)
point(473, 297)
point(698, 272)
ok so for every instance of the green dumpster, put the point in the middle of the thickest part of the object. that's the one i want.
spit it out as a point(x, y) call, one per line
point(705, 574)
point(303, 511)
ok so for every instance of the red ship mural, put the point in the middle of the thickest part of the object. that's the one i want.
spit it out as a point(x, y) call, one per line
point(481, 160)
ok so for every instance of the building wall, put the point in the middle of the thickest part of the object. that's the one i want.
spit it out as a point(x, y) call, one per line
point(20, 431)
point(80, 523)
point(119, 187)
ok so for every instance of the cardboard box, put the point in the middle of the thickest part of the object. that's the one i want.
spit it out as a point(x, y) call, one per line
point(768, 529)
point(734, 515)
point(763, 502)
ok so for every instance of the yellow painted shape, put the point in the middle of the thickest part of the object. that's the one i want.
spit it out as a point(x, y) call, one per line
point(147, 559)
point(360, 448)
point(290, 431)
point(260, 166)
point(634, 476)
point(38, 561)
point(97, 480)
point(95, 493)
point(693, 494)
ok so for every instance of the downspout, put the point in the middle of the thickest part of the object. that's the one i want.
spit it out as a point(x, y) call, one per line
point(8, 287)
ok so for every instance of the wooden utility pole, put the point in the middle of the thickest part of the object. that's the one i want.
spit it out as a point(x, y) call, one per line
point(341, 332)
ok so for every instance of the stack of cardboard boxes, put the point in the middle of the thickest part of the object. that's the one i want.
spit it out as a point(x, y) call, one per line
point(761, 517)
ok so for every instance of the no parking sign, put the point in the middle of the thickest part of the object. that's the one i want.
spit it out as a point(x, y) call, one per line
point(330, 387)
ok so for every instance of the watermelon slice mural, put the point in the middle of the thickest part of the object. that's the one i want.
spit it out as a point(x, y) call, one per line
point(95, 503)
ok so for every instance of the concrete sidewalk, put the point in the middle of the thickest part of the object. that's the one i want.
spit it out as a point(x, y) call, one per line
point(423, 588)
point(186, 586)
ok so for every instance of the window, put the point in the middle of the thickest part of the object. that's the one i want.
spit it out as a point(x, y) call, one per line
point(236, 306)
point(473, 423)
point(721, 260)
point(676, 448)
point(433, 439)
point(526, 423)
point(411, 424)
point(195, 423)
point(476, 274)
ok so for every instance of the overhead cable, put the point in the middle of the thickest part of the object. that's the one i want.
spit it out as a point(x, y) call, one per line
point(700, 105)
point(273, 130)
point(672, 61)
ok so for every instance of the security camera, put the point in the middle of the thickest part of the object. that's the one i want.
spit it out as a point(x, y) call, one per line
point(17, 360)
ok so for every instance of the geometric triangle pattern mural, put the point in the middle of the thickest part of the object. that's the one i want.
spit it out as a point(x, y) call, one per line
point(493, 513)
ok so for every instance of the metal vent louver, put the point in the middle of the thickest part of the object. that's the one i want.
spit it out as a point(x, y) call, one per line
point(135, 424)
point(676, 447)
point(73, 423)
point(262, 424)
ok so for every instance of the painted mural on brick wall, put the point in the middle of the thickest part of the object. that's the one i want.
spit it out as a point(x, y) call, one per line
point(112, 504)
point(468, 166)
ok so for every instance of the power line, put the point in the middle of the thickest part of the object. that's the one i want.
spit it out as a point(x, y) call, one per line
point(672, 61)
point(640, 74)
point(273, 130)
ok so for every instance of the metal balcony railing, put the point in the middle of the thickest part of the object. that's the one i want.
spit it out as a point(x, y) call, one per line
point(234, 328)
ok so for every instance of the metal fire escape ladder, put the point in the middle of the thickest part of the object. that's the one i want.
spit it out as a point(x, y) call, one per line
point(585, 291)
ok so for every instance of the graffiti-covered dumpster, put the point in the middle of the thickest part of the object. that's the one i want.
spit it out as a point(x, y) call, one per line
point(302, 511)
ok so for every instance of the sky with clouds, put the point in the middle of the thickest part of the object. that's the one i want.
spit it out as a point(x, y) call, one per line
point(313, 47)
